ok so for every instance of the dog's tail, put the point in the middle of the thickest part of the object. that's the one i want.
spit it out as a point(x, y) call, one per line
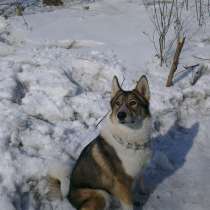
point(58, 180)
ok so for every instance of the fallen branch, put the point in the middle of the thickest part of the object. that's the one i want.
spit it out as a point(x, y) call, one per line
point(197, 74)
point(192, 66)
point(180, 44)
point(200, 58)
point(187, 68)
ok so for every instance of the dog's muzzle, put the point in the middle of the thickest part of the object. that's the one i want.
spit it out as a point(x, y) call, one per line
point(121, 116)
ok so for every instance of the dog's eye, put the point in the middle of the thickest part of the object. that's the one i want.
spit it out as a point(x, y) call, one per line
point(132, 103)
point(117, 103)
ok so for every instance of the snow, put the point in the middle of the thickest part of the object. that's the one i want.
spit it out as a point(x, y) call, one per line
point(55, 81)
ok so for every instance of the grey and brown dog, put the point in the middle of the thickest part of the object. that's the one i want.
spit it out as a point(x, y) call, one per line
point(109, 165)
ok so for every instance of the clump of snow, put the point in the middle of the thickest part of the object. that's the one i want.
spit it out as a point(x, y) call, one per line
point(3, 24)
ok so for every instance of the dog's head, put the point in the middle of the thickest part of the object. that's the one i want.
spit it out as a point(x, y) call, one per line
point(130, 108)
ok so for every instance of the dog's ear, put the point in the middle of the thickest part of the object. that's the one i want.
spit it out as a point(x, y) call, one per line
point(115, 86)
point(143, 87)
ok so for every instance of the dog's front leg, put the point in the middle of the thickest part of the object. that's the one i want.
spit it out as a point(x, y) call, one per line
point(124, 193)
point(125, 206)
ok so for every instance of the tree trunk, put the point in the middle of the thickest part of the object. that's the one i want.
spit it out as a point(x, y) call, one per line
point(180, 44)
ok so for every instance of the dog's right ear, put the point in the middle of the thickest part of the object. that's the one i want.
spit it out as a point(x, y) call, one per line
point(143, 87)
point(115, 86)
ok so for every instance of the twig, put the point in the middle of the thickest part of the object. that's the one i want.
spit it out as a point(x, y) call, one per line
point(101, 119)
point(40, 117)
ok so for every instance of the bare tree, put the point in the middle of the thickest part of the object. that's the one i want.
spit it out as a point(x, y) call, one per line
point(178, 20)
point(162, 15)
point(186, 2)
point(199, 11)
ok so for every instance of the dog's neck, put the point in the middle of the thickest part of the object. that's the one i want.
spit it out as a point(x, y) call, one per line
point(127, 137)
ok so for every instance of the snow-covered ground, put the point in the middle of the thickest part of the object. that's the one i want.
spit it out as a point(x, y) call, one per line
point(55, 80)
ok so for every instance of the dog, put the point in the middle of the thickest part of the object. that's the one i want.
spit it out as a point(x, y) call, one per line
point(110, 164)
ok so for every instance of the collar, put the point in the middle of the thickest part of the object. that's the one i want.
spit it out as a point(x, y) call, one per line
point(134, 146)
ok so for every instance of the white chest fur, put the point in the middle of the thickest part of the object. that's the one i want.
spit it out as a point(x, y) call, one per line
point(133, 160)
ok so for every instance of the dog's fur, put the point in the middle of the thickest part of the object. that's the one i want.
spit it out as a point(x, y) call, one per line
point(111, 162)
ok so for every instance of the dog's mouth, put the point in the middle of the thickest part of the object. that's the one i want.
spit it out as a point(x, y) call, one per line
point(126, 122)
point(134, 123)
point(122, 121)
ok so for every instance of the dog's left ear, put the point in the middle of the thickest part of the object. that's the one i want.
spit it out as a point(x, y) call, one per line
point(143, 87)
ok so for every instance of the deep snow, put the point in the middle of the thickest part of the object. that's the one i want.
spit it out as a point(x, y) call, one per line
point(55, 86)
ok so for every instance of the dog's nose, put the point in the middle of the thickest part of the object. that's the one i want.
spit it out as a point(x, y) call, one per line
point(121, 115)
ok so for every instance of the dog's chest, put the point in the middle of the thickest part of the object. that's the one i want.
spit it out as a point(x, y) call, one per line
point(133, 158)
point(133, 161)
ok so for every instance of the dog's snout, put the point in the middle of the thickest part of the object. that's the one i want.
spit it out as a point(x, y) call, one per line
point(121, 115)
